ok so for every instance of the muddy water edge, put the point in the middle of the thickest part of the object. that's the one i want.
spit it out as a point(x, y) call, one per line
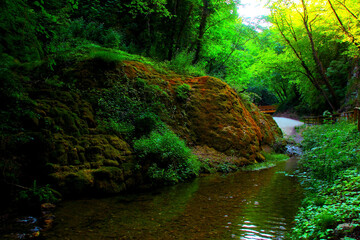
point(242, 205)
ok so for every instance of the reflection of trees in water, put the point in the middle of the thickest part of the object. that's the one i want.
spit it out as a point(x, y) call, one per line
point(273, 209)
point(218, 202)
point(131, 216)
point(209, 207)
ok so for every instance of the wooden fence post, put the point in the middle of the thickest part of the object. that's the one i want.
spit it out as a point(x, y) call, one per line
point(357, 116)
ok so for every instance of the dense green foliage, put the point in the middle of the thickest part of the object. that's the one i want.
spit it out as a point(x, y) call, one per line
point(329, 169)
point(333, 150)
point(206, 37)
point(317, 58)
point(307, 60)
point(171, 160)
point(130, 110)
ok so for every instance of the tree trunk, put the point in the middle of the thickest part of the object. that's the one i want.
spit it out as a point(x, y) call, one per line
point(308, 73)
point(171, 40)
point(184, 22)
point(203, 22)
point(317, 60)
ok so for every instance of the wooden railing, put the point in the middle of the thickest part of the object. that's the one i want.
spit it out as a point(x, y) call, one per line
point(268, 109)
point(350, 116)
point(357, 116)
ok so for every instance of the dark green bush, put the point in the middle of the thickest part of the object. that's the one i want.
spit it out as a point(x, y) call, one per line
point(170, 159)
point(182, 64)
point(94, 32)
point(145, 123)
point(264, 96)
point(78, 32)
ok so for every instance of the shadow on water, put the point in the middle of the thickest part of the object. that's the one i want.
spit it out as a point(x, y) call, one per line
point(244, 205)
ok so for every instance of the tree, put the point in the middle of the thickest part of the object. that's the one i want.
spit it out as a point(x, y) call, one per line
point(308, 31)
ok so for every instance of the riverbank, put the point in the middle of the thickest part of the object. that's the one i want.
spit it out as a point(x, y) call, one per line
point(329, 173)
point(34, 225)
point(218, 206)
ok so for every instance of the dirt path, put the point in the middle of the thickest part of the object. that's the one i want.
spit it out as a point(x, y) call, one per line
point(288, 125)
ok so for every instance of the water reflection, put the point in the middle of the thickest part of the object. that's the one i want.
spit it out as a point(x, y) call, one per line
point(244, 205)
point(270, 212)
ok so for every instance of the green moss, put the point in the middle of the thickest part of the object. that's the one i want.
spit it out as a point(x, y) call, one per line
point(270, 161)
point(113, 163)
point(113, 173)
point(109, 180)
point(73, 183)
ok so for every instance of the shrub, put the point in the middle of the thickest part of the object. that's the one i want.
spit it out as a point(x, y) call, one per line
point(145, 123)
point(31, 198)
point(95, 32)
point(330, 149)
point(183, 91)
point(80, 33)
point(170, 159)
point(182, 64)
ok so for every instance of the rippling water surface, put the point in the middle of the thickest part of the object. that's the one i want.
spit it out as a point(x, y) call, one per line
point(244, 205)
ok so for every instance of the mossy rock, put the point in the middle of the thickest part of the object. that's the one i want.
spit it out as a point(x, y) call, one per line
point(109, 180)
point(111, 163)
point(73, 183)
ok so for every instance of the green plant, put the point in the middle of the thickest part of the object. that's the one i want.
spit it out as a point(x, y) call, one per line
point(327, 116)
point(37, 195)
point(226, 167)
point(182, 64)
point(170, 159)
point(279, 145)
point(331, 180)
point(183, 91)
point(93, 32)
point(122, 128)
point(333, 150)
point(271, 160)
point(129, 109)
point(325, 220)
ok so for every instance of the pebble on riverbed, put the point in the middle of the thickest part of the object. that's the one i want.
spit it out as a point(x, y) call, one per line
point(30, 227)
point(47, 215)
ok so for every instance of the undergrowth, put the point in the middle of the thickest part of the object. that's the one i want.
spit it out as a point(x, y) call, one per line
point(271, 160)
point(131, 111)
point(170, 160)
point(330, 175)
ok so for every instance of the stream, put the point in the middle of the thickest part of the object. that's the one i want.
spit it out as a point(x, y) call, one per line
point(242, 205)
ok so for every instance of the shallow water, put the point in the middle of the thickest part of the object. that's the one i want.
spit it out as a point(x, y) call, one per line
point(244, 205)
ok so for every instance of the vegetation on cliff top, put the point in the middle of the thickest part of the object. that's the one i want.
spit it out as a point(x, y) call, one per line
point(305, 59)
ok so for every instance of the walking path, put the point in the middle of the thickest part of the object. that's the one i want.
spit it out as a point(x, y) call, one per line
point(288, 125)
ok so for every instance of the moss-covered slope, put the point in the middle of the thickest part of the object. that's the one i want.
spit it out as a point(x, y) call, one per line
point(87, 113)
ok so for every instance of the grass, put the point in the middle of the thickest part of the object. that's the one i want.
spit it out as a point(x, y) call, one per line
point(271, 160)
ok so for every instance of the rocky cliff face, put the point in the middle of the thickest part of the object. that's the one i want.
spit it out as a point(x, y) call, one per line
point(69, 147)
point(213, 117)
